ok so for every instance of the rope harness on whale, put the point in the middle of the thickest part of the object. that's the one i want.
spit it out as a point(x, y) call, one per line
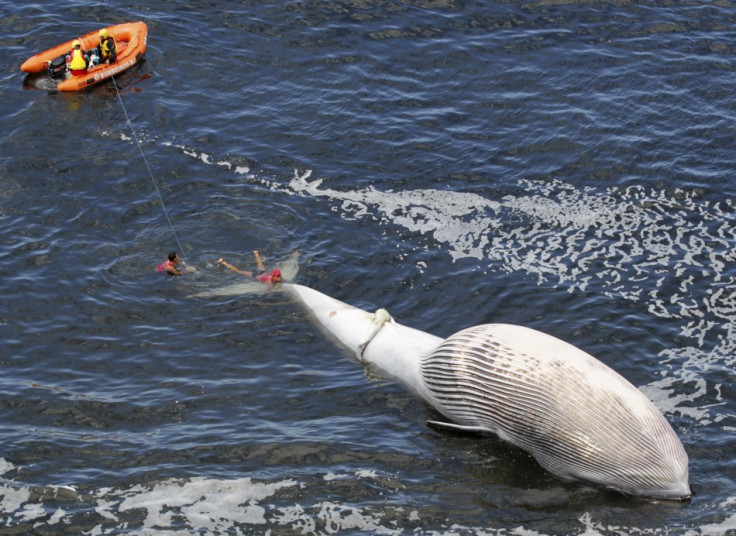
point(380, 317)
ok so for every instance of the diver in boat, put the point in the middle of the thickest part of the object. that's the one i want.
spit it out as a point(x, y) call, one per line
point(78, 59)
point(107, 49)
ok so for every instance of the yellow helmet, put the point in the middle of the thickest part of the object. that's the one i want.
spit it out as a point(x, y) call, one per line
point(104, 33)
point(76, 43)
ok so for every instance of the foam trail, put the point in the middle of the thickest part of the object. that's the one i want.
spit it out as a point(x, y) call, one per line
point(669, 250)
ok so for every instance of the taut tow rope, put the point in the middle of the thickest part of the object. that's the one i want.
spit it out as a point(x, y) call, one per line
point(150, 173)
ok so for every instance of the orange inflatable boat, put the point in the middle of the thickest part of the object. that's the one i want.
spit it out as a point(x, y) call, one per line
point(130, 41)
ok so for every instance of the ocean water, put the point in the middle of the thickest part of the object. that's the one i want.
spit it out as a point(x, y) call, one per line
point(567, 166)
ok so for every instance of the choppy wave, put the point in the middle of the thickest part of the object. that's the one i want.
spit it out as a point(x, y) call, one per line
point(670, 250)
point(383, 89)
point(239, 506)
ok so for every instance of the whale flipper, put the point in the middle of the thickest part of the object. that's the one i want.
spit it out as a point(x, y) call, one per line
point(459, 427)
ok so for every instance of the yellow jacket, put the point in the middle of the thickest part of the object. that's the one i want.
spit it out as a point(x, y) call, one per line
point(107, 48)
point(78, 60)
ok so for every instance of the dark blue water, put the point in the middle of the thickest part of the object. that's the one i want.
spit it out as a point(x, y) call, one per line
point(561, 165)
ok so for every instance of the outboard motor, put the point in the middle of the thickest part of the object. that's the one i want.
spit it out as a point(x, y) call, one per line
point(57, 67)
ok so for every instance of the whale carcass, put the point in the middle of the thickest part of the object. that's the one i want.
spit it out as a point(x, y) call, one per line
point(579, 418)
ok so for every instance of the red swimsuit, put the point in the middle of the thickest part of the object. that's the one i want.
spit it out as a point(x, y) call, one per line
point(164, 266)
point(268, 278)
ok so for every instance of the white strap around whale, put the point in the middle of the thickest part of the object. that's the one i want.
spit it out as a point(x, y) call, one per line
point(380, 317)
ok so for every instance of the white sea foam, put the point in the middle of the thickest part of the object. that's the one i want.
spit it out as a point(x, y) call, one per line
point(207, 504)
point(13, 498)
point(219, 506)
point(725, 527)
point(5, 466)
point(365, 473)
point(206, 158)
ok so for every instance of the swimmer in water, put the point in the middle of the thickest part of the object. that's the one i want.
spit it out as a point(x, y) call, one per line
point(260, 274)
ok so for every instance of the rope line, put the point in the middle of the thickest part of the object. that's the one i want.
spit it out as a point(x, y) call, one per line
point(148, 167)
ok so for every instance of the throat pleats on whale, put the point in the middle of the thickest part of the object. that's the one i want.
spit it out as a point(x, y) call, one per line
point(578, 417)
